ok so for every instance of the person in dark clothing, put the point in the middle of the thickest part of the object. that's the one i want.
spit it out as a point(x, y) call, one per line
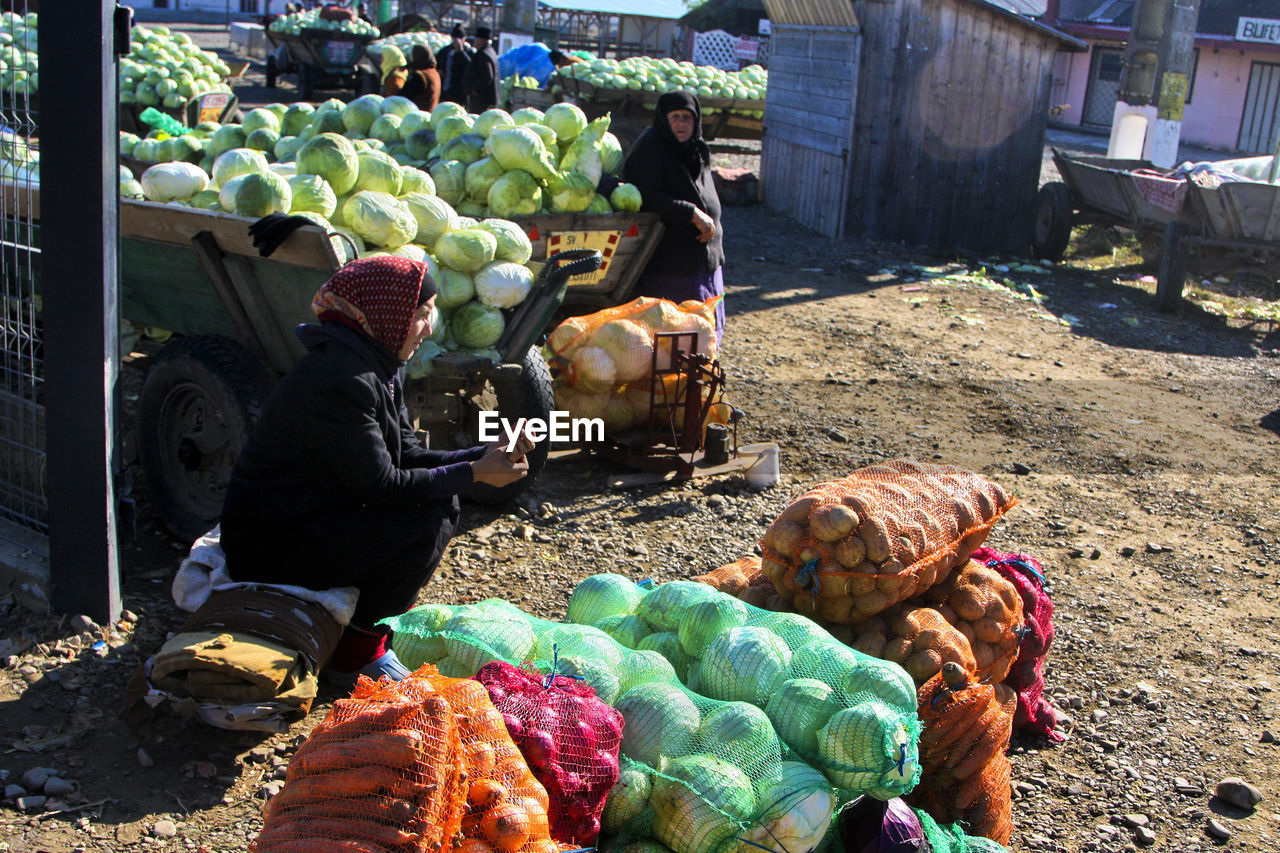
point(332, 488)
point(670, 164)
point(422, 86)
point(484, 88)
point(452, 61)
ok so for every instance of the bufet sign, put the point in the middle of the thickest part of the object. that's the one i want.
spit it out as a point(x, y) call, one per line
point(1266, 30)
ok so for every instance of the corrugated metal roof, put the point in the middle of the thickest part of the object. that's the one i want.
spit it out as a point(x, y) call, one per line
point(1033, 8)
point(648, 9)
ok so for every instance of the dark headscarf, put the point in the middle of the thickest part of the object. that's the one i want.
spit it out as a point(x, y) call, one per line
point(375, 297)
point(694, 154)
point(422, 57)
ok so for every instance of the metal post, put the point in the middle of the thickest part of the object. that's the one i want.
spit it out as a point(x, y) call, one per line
point(79, 251)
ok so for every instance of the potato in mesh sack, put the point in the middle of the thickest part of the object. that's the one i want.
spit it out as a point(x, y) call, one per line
point(918, 638)
point(381, 774)
point(967, 726)
point(986, 607)
point(506, 807)
point(848, 549)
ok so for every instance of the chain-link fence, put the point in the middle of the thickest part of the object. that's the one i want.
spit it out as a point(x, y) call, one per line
point(23, 507)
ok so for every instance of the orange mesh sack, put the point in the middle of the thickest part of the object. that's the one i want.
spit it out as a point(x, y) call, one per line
point(734, 578)
point(848, 549)
point(986, 607)
point(506, 806)
point(604, 362)
point(918, 638)
point(967, 725)
point(381, 774)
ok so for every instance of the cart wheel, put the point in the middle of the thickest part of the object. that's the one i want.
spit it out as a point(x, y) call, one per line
point(1051, 228)
point(529, 396)
point(1173, 268)
point(198, 403)
point(306, 82)
point(272, 71)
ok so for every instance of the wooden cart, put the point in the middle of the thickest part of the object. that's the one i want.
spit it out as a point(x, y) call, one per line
point(323, 59)
point(1185, 225)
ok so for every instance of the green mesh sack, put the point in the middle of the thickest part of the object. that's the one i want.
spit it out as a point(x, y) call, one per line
point(952, 838)
point(698, 775)
point(850, 715)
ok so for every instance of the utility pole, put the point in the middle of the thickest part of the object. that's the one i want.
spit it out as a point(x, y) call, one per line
point(1156, 80)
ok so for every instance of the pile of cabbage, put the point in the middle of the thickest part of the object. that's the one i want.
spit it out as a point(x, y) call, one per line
point(294, 24)
point(165, 69)
point(645, 74)
point(19, 63)
point(19, 158)
point(406, 42)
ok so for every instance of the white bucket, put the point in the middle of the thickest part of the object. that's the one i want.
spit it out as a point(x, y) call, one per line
point(763, 473)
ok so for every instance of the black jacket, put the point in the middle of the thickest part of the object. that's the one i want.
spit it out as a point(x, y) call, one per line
point(335, 434)
point(667, 188)
point(483, 83)
point(453, 66)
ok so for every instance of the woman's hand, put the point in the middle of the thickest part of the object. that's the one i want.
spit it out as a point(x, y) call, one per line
point(522, 446)
point(496, 467)
point(705, 224)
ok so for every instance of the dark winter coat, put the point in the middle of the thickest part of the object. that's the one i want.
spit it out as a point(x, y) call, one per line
point(483, 84)
point(334, 435)
point(673, 178)
point(453, 66)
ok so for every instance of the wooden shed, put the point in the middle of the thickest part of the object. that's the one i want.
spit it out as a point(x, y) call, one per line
point(914, 120)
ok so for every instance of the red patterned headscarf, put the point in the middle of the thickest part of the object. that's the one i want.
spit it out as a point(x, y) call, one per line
point(374, 296)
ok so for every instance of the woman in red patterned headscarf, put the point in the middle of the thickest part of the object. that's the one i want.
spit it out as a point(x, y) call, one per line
point(333, 489)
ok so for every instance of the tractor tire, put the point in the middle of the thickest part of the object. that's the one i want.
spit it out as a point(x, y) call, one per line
point(199, 401)
point(529, 396)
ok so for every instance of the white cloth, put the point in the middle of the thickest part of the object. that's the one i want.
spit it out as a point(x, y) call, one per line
point(204, 571)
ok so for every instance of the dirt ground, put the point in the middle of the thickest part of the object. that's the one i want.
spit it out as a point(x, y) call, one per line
point(1142, 448)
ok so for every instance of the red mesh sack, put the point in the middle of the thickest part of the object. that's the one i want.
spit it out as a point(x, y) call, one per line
point(381, 774)
point(506, 807)
point(984, 606)
point(848, 549)
point(570, 739)
point(966, 775)
point(1035, 712)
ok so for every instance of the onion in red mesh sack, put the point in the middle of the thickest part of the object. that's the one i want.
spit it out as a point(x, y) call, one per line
point(569, 738)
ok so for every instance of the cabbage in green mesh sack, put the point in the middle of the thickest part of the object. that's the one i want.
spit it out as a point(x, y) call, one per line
point(333, 158)
point(627, 630)
point(312, 194)
point(513, 243)
point(951, 838)
point(603, 595)
point(857, 724)
point(466, 249)
point(380, 218)
point(693, 769)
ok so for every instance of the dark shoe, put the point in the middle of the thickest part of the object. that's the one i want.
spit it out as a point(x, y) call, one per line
point(388, 665)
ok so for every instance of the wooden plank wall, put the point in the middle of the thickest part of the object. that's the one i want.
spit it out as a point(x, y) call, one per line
point(808, 118)
point(949, 127)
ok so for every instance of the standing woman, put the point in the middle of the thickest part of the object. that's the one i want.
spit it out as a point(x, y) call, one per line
point(332, 488)
point(671, 166)
point(422, 85)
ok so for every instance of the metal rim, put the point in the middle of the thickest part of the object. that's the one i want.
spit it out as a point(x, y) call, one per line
point(196, 441)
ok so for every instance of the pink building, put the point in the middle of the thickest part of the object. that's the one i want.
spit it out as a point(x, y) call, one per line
point(1235, 82)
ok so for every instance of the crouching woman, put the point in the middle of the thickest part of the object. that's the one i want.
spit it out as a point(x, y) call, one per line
point(332, 488)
